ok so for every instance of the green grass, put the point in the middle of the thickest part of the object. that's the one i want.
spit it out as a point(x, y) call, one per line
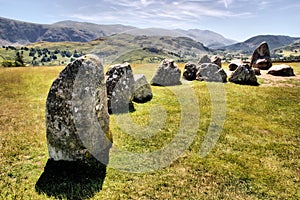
point(256, 156)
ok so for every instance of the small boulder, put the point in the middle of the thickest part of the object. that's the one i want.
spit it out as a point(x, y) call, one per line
point(244, 75)
point(211, 73)
point(281, 70)
point(261, 57)
point(204, 59)
point(190, 71)
point(257, 71)
point(142, 89)
point(216, 60)
point(167, 74)
point(77, 120)
point(233, 65)
point(120, 87)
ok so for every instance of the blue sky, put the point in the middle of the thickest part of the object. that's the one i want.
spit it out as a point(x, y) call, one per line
point(234, 19)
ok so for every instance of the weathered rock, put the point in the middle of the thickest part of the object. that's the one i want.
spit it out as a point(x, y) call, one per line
point(233, 65)
point(190, 71)
point(120, 87)
point(257, 71)
point(244, 75)
point(261, 57)
point(167, 74)
point(142, 89)
point(281, 70)
point(204, 59)
point(77, 120)
point(211, 73)
point(216, 60)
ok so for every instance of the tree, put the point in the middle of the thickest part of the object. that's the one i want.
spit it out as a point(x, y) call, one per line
point(19, 59)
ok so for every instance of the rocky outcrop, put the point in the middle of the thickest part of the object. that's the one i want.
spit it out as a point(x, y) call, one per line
point(190, 71)
point(77, 120)
point(261, 57)
point(244, 75)
point(167, 74)
point(211, 73)
point(142, 89)
point(120, 87)
point(281, 70)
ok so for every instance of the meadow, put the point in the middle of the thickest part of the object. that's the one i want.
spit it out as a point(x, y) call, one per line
point(256, 155)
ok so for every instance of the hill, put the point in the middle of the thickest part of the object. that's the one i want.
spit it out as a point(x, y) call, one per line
point(274, 41)
point(111, 49)
point(208, 38)
point(18, 32)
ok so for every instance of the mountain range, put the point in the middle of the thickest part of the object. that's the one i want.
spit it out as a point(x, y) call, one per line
point(13, 32)
point(19, 32)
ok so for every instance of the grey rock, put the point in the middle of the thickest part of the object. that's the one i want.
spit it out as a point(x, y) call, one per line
point(211, 73)
point(120, 87)
point(77, 119)
point(233, 65)
point(204, 59)
point(142, 89)
point(167, 74)
point(281, 70)
point(190, 71)
point(261, 57)
point(244, 75)
point(216, 60)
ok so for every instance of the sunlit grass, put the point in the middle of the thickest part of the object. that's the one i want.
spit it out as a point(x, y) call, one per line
point(256, 156)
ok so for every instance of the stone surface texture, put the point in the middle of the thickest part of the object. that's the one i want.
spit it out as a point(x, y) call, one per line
point(204, 59)
point(216, 60)
point(211, 73)
point(244, 75)
point(261, 57)
point(190, 70)
point(120, 87)
point(77, 119)
point(142, 89)
point(167, 74)
point(281, 70)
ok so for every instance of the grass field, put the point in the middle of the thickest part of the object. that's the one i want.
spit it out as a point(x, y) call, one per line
point(257, 155)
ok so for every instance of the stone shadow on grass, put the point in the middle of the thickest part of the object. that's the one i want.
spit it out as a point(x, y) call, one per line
point(71, 180)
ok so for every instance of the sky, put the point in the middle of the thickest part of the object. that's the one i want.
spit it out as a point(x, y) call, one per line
point(234, 19)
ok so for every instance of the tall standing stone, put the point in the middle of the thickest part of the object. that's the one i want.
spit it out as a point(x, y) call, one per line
point(77, 120)
point(167, 74)
point(120, 88)
point(261, 57)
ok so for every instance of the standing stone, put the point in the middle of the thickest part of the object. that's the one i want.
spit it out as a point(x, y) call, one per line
point(281, 70)
point(204, 59)
point(244, 75)
point(261, 57)
point(77, 120)
point(190, 71)
point(216, 60)
point(167, 74)
point(142, 89)
point(211, 73)
point(120, 87)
